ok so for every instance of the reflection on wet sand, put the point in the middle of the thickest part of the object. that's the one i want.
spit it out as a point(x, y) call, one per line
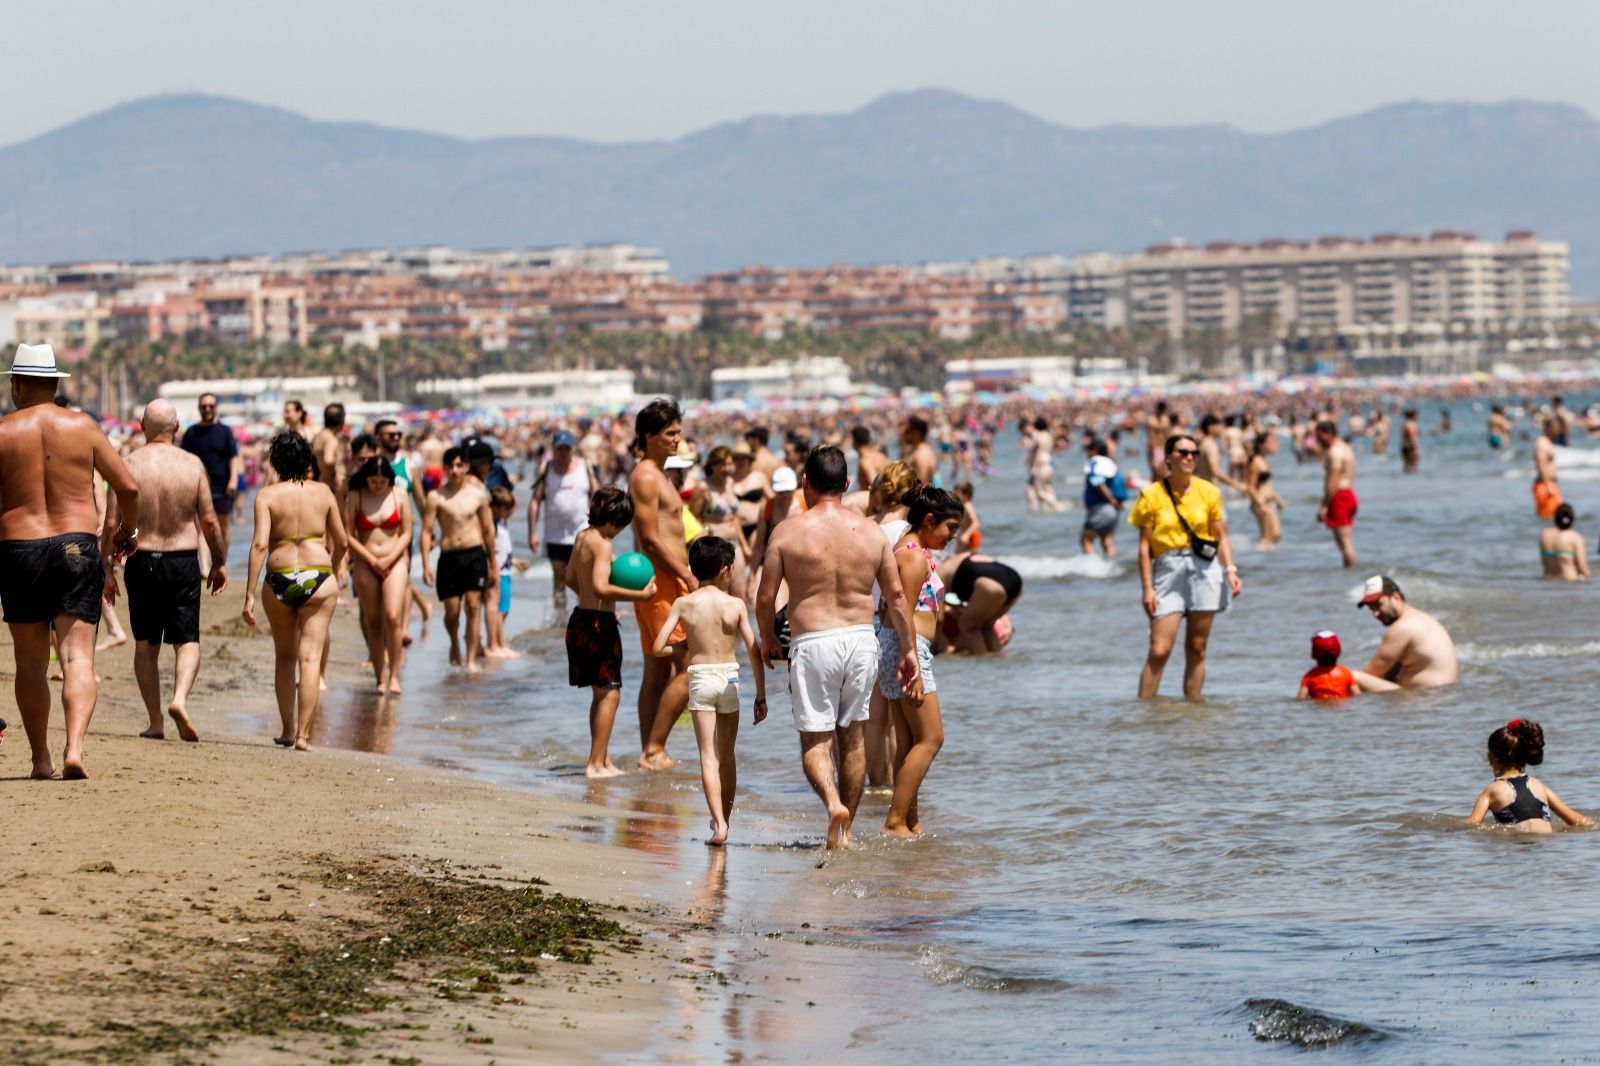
point(355, 721)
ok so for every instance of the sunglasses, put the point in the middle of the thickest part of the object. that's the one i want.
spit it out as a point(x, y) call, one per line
point(1184, 453)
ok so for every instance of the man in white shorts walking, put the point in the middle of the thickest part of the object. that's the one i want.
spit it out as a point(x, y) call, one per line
point(830, 558)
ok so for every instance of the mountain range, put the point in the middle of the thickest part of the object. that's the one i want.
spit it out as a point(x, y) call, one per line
point(928, 174)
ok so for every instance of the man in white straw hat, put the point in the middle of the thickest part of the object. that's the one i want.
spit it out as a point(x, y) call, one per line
point(50, 571)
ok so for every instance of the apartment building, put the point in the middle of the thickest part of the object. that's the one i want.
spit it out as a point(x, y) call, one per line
point(1339, 282)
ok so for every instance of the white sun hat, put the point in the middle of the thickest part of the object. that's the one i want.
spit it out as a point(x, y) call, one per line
point(35, 361)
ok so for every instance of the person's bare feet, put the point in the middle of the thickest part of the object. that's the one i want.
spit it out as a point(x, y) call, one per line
point(283, 742)
point(659, 761)
point(898, 830)
point(302, 745)
point(111, 642)
point(719, 834)
point(473, 666)
point(838, 826)
point(72, 769)
point(180, 718)
point(455, 654)
point(393, 688)
point(43, 771)
point(154, 732)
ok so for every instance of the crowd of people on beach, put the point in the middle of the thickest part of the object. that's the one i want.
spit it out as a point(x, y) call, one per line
point(855, 569)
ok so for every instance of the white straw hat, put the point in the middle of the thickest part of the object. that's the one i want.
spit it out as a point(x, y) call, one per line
point(35, 361)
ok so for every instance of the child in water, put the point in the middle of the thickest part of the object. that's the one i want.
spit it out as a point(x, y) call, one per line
point(1524, 803)
point(1327, 680)
point(594, 641)
point(713, 622)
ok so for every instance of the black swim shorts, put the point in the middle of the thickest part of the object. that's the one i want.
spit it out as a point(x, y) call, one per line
point(594, 649)
point(164, 596)
point(40, 579)
point(223, 505)
point(461, 571)
point(558, 553)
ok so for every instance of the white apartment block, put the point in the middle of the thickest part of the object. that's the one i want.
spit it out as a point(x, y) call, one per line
point(1337, 282)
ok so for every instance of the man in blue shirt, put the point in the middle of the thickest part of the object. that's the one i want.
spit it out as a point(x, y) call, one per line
point(484, 466)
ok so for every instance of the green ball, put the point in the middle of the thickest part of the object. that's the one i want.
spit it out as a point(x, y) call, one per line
point(632, 571)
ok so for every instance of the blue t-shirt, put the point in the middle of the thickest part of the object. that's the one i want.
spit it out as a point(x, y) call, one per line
point(215, 447)
point(1099, 470)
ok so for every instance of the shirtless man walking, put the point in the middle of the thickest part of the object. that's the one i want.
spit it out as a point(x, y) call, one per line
point(915, 449)
point(1339, 503)
point(164, 574)
point(1546, 492)
point(460, 508)
point(50, 572)
point(831, 558)
point(658, 534)
point(1416, 652)
point(329, 447)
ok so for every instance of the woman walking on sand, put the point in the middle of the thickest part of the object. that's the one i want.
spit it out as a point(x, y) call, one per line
point(1185, 565)
point(300, 536)
point(377, 518)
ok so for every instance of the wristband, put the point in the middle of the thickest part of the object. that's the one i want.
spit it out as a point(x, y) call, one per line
point(1231, 570)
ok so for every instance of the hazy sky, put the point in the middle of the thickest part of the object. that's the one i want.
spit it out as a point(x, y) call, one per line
point(618, 71)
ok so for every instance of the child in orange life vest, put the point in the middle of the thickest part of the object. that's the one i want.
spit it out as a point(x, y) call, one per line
point(1327, 680)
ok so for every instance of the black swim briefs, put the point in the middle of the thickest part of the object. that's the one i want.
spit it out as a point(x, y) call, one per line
point(461, 571)
point(40, 579)
point(164, 596)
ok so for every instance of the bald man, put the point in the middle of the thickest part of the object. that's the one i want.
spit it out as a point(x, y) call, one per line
point(164, 574)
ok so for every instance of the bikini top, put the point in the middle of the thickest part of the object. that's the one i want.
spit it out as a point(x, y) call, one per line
point(1524, 806)
point(719, 505)
point(931, 594)
point(752, 496)
point(367, 525)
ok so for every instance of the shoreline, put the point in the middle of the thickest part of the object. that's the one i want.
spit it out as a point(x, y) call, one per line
point(177, 869)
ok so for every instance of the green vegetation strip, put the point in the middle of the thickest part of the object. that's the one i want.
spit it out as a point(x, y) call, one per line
point(473, 934)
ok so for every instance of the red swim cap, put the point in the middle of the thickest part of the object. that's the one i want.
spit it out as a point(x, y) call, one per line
point(1326, 643)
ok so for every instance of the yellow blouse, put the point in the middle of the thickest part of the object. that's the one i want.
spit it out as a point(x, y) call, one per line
point(1202, 509)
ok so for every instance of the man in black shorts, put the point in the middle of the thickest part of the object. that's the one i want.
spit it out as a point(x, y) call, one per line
point(460, 508)
point(214, 445)
point(51, 579)
point(164, 574)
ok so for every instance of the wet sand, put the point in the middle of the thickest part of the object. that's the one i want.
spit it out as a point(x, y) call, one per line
point(152, 910)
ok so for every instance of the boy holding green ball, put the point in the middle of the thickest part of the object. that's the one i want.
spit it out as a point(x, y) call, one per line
point(594, 642)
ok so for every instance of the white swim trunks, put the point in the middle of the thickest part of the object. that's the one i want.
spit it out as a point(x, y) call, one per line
point(714, 687)
point(831, 674)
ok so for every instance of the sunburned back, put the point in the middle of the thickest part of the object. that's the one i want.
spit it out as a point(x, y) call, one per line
point(47, 473)
point(830, 560)
point(711, 620)
point(171, 482)
point(298, 514)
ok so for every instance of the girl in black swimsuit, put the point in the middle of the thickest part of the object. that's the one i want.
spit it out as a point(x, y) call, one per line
point(1515, 799)
point(987, 590)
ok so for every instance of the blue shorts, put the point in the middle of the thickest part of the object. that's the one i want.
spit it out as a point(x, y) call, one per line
point(505, 593)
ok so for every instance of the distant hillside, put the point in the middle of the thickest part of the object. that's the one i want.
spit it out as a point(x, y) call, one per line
point(911, 176)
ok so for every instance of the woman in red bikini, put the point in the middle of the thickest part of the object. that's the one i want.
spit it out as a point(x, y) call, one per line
point(378, 518)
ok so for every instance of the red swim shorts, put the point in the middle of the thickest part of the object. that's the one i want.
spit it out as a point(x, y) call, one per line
point(1342, 509)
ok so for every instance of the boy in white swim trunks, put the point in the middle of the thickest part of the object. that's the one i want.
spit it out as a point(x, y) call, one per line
point(712, 621)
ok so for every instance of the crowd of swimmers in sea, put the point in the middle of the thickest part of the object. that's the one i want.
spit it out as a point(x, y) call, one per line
point(854, 569)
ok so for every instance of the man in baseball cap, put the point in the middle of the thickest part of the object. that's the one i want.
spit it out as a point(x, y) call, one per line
point(1416, 652)
point(483, 464)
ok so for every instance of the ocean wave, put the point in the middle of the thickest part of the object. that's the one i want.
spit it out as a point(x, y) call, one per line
point(943, 971)
point(1279, 1020)
point(1538, 650)
point(1577, 457)
point(1054, 567)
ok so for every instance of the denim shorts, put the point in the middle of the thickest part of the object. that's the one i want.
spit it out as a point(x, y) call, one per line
point(889, 661)
point(1185, 582)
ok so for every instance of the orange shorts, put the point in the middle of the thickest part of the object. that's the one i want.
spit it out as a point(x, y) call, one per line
point(1546, 498)
point(652, 613)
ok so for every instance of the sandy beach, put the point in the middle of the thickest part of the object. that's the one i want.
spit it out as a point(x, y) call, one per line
point(232, 901)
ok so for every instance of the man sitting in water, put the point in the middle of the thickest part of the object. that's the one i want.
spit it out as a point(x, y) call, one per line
point(1416, 652)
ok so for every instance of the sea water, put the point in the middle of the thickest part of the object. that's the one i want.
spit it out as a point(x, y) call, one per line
point(1108, 880)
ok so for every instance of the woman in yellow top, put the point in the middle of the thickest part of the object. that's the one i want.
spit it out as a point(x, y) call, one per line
point(1179, 581)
